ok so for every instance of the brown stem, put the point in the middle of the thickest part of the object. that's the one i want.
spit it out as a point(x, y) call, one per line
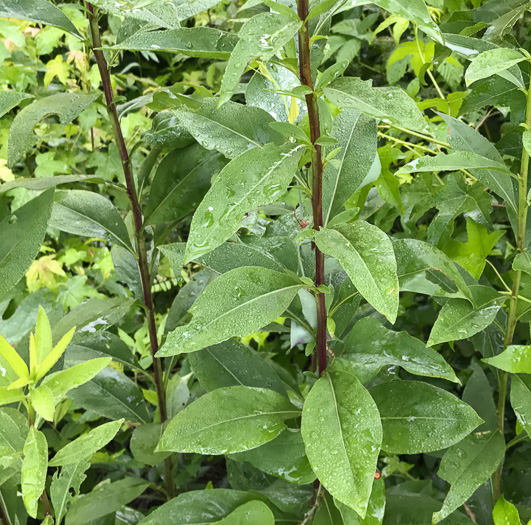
point(305, 73)
point(137, 217)
point(47, 505)
point(4, 515)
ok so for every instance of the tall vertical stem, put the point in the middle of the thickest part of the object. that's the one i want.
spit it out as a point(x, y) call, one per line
point(511, 318)
point(305, 73)
point(138, 221)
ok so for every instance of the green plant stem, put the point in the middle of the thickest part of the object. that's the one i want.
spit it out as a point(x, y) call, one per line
point(427, 138)
point(512, 317)
point(143, 264)
point(305, 73)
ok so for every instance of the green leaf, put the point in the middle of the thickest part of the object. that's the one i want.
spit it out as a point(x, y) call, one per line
point(34, 469)
point(228, 420)
point(54, 356)
point(466, 466)
point(515, 359)
point(414, 10)
point(189, 8)
point(43, 335)
point(10, 99)
point(261, 37)
point(327, 512)
point(505, 513)
point(522, 262)
point(284, 457)
point(180, 183)
point(199, 506)
point(418, 417)
point(472, 255)
point(47, 182)
point(237, 303)
point(367, 255)
point(453, 162)
point(370, 346)
point(200, 42)
point(459, 319)
point(143, 442)
point(156, 12)
point(416, 259)
point(89, 214)
point(43, 402)
point(87, 445)
point(66, 105)
point(13, 429)
point(40, 11)
point(21, 236)
point(345, 173)
point(230, 364)
point(478, 394)
point(465, 138)
point(250, 513)
point(391, 104)
point(12, 364)
point(496, 62)
point(521, 400)
point(255, 178)
point(342, 433)
point(105, 499)
point(71, 477)
point(375, 509)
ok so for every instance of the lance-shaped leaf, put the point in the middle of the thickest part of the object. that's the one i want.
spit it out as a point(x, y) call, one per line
point(346, 172)
point(90, 215)
point(342, 433)
point(414, 10)
point(157, 12)
point(459, 319)
point(181, 181)
point(34, 468)
point(496, 62)
point(21, 236)
point(11, 99)
point(418, 417)
point(66, 105)
point(391, 104)
point(370, 346)
point(417, 259)
point(200, 42)
point(257, 177)
point(237, 303)
point(465, 138)
point(454, 162)
point(228, 420)
point(367, 255)
point(40, 11)
point(515, 359)
point(521, 400)
point(87, 445)
point(231, 130)
point(47, 182)
point(260, 37)
point(466, 466)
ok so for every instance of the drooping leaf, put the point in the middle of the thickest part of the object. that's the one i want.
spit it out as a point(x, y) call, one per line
point(71, 477)
point(228, 420)
point(496, 62)
point(391, 104)
point(230, 364)
point(370, 346)
point(466, 466)
point(515, 359)
point(260, 37)
point(342, 433)
point(200, 42)
point(87, 445)
point(21, 236)
point(89, 214)
point(105, 499)
point(34, 468)
point(40, 11)
point(418, 417)
point(237, 303)
point(343, 175)
point(521, 400)
point(10, 99)
point(180, 183)
point(284, 457)
point(367, 255)
point(66, 105)
point(459, 319)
